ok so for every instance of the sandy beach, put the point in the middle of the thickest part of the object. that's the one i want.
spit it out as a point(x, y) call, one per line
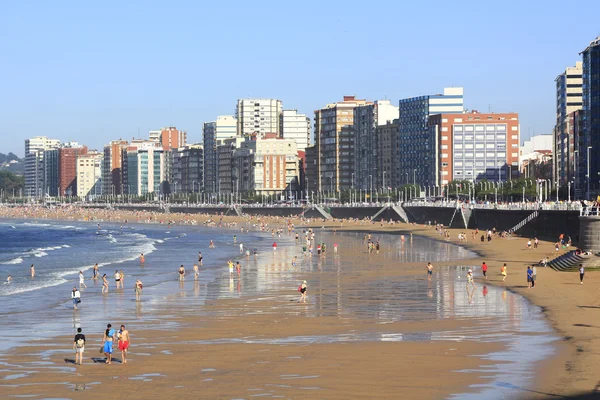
point(206, 359)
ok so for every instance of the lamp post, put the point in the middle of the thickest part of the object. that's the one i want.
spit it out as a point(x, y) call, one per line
point(569, 191)
point(371, 188)
point(556, 191)
point(576, 161)
point(414, 176)
point(587, 195)
point(384, 179)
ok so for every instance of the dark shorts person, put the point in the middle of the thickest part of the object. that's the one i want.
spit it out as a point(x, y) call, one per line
point(484, 273)
point(429, 272)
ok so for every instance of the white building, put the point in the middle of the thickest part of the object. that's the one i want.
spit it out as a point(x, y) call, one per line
point(34, 164)
point(296, 127)
point(258, 117)
point(214, 134)
point(89, 174)
point(145, 170)
point(267, 166)
point(537, 143)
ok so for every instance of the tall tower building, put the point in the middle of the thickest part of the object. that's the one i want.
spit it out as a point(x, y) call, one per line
point(89, 175)
point(214, 134)
point(112, 167)
point(569, 95)
point(591, 119)
point(334, 147)
point(170, 138)
point(416, 145)
point(258, 117)
point(366, 147)
point(35, 148)
point(296, 127)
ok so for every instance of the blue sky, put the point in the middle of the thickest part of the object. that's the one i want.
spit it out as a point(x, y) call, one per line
point(73, 70)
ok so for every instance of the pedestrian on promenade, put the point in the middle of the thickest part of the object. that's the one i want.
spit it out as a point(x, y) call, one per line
point(581, 273)
point(79, 346)
point(529, 276)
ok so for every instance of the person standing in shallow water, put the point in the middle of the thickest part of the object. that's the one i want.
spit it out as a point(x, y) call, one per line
point(181, 273)
point(142, 259)
point(303, 288)
point(104, 284)
point(429, 270)
point(504, 272)
point(32, 270)
point(138, 289)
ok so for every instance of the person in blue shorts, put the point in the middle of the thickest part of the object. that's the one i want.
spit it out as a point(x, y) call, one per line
point(107, 343)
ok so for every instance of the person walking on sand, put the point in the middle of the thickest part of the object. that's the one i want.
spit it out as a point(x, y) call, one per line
point(533, 276)
point(429, 270)
point(138, 289)
point(196, 272)
point(529, 244)
point(484, 269)
point(76, 297)
point(470, 279)
point(104, 284)
point(302, 289)
point(81, 280)
point(529, 276)
point(504, 272)
point(536, 241)
point(32, 270)
point(124, 341)
point(581, 273)
point(79, 346)
point(107, 343)
point(181, 273)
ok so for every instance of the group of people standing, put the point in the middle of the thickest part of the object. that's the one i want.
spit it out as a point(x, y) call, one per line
point(122, 337)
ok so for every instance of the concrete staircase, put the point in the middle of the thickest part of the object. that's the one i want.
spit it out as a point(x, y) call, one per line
point(401, 213)
point(238, 210)
point(319, 209)
point(566, 262)
point(466, 213)
point(527, 220)
point(460, 219)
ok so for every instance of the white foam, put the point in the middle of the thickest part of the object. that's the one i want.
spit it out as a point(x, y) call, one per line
point(40, 254)
point(17, 260)
point(16, 288)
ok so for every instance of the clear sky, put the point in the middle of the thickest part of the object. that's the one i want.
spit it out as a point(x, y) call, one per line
point(74, 70)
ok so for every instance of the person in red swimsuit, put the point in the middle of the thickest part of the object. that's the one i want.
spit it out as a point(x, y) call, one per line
point(124, 342)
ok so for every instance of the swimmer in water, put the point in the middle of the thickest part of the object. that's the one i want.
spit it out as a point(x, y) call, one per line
point(32, 269)
point(9, 279)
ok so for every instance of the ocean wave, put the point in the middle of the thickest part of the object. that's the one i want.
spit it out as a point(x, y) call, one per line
point(66, 246)
point(40, 254)
point(16, 288)
point(17, 260)
point(159, 241)
point(111, 238)
point(35, 224)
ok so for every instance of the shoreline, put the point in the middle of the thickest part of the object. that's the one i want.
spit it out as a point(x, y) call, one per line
point(397, 229)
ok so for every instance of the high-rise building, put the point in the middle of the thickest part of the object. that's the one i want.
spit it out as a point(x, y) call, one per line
point(258, 117)
point(590, 154)
point(334, 149)
point(51, 173)
point(112, 168)
point(35, 183)
point(145, 170)
point(170, 138)
point(387, 137)
point(188, 169)
point(473, 147)
point(267, 166)
point(89, 175)
point(296, 127)
point(214, 133)
point(67, 168)
point(311, 161)
point(416, 147)
point(226, 174)
point(569, 93)
point(366, 144)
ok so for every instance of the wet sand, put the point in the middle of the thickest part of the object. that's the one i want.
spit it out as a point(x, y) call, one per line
point(354, 369)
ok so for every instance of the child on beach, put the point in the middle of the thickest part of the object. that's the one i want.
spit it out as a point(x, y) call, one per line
point(504, 272)
point(470, 279)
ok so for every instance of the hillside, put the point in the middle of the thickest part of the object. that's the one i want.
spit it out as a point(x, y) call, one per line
point(11, 162)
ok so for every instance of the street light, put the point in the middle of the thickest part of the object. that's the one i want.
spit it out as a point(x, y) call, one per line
point(384, 179)
point(371, 188)
point(576, 152)
point(587, 196)
point(414, 176)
